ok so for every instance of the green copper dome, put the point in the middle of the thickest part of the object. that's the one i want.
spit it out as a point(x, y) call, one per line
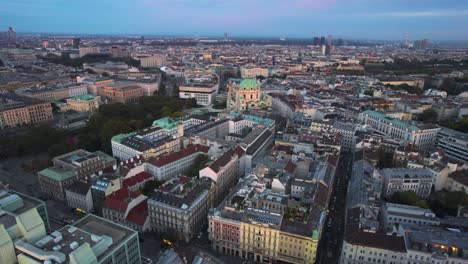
point(248, 84)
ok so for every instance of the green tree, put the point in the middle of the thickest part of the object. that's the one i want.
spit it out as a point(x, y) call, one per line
point(198, 164)
point(428, 116)
point(408, 198)
point(369, 92)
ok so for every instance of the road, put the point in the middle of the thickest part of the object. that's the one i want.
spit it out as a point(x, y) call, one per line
point(329, 248)
point(21, 180)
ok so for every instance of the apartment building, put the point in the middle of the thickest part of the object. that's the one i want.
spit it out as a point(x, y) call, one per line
point(401, 180)
point(421, 135)
point(225, 171)
point(180, 205)
point(78, 196)
point(243, 227)
point(127, 208)
point(69, 168)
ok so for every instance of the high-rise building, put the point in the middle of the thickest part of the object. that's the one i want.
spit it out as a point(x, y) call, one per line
point(316, 41)
point(226, 36)
point(76, 43)
point(11, 37)
point(330, 40)
point(322, 40)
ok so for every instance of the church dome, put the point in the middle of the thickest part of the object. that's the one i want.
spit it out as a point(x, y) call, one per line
point(249, 84)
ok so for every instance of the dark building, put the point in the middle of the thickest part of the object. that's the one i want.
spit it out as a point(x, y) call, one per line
point(316, 41)
point(76, 43)
point(322, 40)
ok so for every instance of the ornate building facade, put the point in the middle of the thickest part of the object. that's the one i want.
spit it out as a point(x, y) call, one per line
point(246, 95)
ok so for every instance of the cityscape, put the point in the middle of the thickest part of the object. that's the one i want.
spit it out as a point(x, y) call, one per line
point(260, 143)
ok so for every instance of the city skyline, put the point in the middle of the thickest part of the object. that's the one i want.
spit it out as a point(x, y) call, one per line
point(376, 19)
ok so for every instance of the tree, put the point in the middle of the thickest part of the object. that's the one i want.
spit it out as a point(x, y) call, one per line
point(198, 164)
point(150, 186)
point(369, 92)
point(408, 198)
point(428, 116)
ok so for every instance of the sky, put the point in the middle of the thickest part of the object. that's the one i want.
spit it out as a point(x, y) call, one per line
point(355, 19)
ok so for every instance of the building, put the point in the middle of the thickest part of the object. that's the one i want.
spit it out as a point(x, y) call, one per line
point(421, 135)
point(119, 52)
point(180, 205)
point(102, 188)
point(164, 136)
point(51, 93)
point(88, 50)
point(83, 103)
point(155, 60)
point(122, 92)
point(78, 196)
point(225, 171)
point(89, 240)
point(19, 206)
point(454, 143)
point(252, 71)
point(127, 208)
point(248, 227)
point(246, 95)
point(76, 43)
point(176, 163)
point(69, 168)
point(392, 214)
point(401, 180)
point(408, 80)
point(457, 181)
point(204, 93)
point(435, 245)
point(18, 111)
point(363, 245)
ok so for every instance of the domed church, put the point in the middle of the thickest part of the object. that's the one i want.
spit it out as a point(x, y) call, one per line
point(246, 95)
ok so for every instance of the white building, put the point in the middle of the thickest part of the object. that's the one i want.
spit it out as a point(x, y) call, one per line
point(401, 180)
point(423, 136)
point(203, 93)
point(392, 214)
point(454, 143)
point(174, 164)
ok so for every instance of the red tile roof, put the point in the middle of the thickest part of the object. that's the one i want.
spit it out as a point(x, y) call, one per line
point(290, 167)
point(225, 158)
point(139, 213)
point(460, 176)
point(170, 158)
point(118, 200)
point(138, 178)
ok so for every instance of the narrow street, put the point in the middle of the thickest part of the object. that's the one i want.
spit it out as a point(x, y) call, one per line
point(330, 246)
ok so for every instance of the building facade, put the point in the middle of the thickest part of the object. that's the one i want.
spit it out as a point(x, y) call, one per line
point(246, 94)
point(421, 135)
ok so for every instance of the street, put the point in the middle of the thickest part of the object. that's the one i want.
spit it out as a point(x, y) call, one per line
point(330, 245)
